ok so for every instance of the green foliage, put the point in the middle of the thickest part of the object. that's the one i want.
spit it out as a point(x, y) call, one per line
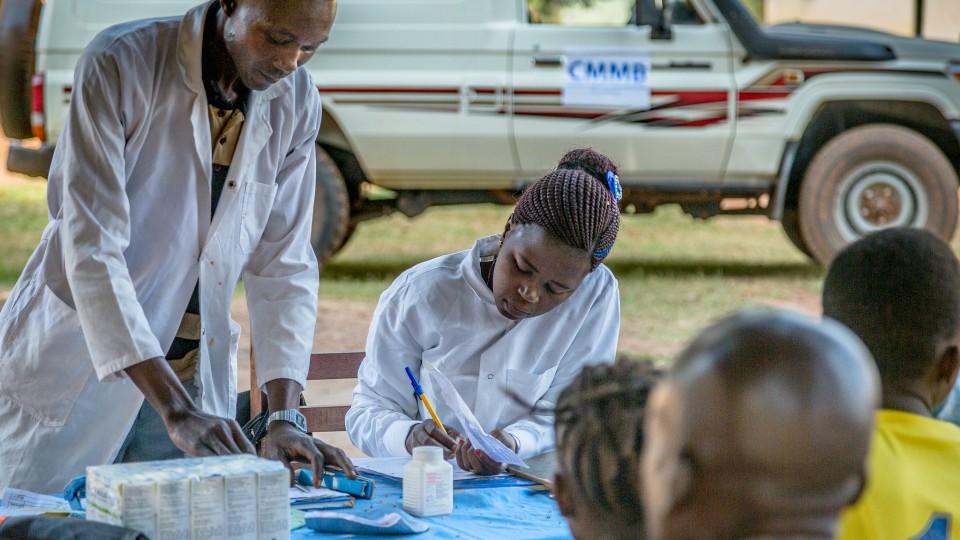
point(547, 11)
point(756, 8)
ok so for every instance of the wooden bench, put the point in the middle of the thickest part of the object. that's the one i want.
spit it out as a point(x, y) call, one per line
point(324, 366)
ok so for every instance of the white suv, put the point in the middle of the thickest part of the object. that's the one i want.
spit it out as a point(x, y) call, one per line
point(834, 131)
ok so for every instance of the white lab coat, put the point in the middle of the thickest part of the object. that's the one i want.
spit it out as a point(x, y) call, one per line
point(130, 234)
point(442, 312)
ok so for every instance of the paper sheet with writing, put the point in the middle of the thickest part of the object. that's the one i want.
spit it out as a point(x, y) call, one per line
point(18, 498)
point(393, 467)
point(309, 493)
point(18, 502)
point(471, 426)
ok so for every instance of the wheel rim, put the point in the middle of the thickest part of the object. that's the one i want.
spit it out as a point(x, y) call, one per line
point(878, 195)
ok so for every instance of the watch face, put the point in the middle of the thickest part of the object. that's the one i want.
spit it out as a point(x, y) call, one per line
point(300, 421)
point(290, 415)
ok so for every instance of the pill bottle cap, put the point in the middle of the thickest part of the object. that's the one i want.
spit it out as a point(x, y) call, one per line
point(428, 453)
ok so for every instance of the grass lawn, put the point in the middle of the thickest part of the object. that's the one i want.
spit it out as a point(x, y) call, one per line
point(676, 274)
point(23, 214)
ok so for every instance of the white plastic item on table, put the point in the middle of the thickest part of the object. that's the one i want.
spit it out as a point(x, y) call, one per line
point(428, 483)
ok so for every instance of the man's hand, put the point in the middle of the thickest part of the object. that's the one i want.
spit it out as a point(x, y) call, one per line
point(289, 445)
point(200, 434)
point(428, 433)
point(477, 462)
point(191, 430)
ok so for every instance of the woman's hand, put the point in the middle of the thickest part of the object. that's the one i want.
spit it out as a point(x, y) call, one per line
point(428, 433)
point(476, 461)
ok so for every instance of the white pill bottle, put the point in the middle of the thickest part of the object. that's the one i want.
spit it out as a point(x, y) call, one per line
point(428, 483)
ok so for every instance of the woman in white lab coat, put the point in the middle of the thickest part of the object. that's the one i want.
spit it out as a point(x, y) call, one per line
point(132, 233)
point(510, 323)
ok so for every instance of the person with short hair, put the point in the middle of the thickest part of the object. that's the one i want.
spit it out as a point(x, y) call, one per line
point(510, 323)
point(899, 290)
point(599, 434)
point(186, 164)
point(760, 430)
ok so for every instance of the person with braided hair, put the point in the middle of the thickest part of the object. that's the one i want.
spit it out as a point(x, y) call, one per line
point(599, 431)
point(518, 315)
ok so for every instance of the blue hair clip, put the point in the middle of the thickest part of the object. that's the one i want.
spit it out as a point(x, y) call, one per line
point(613, 182)
point(602, 253)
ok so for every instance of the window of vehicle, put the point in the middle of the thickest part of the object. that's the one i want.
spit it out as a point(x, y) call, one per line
point(581, 12)
point(680, 12)
point(605, 12)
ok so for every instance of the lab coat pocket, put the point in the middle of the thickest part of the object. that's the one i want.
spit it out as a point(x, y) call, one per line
point(529, 387)
point(44, 364)
point(255, 209)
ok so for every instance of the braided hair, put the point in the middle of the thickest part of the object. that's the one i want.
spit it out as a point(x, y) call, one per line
point(599, 430)
point(576, 203)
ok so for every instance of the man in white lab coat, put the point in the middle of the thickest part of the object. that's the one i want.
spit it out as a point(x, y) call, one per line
point(186, 164)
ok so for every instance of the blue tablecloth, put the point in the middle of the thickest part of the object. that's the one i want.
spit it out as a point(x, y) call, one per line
point(498, 513)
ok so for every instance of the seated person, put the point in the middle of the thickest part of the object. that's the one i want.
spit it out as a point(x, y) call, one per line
point(899, 290)
point(510, 323)
point(599, 427)
point(760, 430)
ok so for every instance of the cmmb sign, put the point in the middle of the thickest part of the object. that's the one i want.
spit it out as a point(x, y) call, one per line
point(607, 78)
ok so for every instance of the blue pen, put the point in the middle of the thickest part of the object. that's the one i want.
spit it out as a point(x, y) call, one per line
point(418, 392)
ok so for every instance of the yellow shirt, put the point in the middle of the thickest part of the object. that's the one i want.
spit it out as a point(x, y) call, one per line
point(913, 488)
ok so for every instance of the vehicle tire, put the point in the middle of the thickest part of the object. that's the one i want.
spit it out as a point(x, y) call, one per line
point(873, 177)
point(347, 235)
point(791, 227)
point(18, 30)
point(331, 209)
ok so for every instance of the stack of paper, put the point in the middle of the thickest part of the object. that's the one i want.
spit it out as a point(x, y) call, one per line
point(18, 502)
point(311, 498)
point(392, 469)
point(238, 497)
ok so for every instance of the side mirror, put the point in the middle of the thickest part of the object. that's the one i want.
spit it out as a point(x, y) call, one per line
point(646, 13)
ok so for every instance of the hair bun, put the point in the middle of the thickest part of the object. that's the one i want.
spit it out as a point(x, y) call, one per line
point(590, 161)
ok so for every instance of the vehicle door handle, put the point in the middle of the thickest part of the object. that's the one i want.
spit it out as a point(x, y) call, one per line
point(548, 61)
point(688, 65)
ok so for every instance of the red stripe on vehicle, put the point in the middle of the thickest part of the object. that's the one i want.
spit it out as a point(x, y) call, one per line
point(374, 90)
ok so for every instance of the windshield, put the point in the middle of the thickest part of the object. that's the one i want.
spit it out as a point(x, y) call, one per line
point(934, 19)
point(605, 12)
point(937, 19)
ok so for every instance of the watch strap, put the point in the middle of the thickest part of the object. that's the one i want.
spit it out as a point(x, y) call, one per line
point(289, 415)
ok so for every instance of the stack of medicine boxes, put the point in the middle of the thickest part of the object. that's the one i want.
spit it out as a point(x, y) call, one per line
point(237, 497)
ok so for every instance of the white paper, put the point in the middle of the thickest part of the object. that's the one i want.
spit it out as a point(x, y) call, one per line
point(18, 498)
point(393, 468)
point(314, 494)
point(493, 448)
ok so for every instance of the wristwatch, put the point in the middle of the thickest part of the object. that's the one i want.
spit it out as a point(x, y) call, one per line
point(290, 415)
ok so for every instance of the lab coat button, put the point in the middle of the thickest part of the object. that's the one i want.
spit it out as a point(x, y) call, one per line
point(231, 184)
point(490, 375)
